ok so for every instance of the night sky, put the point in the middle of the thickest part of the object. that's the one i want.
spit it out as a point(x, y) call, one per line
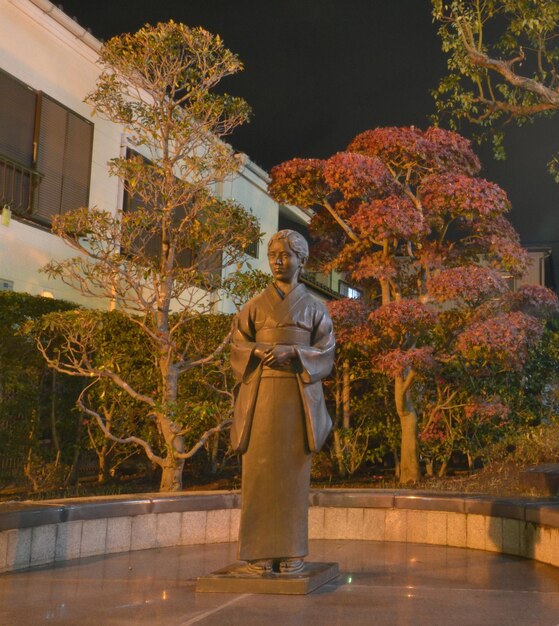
point(317, 72)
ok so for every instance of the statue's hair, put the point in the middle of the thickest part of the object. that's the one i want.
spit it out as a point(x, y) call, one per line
point(295, 240)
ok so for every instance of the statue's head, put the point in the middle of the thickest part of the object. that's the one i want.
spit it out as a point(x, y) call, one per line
point(295, 245)
point(296, 242)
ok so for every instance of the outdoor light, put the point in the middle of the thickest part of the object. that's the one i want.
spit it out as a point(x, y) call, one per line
point(6, 215)
point(47, 294)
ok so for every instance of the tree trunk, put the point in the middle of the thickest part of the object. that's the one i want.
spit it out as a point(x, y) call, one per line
point(338, 452)
point(103, 467)
point(346, 394)
point(214, 454)
point(73, 474)
point(171, 475)
point(385, 291)
point(103, 459)
point(396, 463)
point(409, 451)
point(53, 428)
point(343, 416)
point(429, 468)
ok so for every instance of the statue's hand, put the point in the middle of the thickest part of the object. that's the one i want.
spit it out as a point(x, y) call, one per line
point(261, 352)
point(279, 355)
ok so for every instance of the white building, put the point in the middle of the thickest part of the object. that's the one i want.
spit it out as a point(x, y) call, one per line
point(54, 154)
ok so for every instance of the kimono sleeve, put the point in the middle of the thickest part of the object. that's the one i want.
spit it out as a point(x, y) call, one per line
point(243, 361)
point(317, 360)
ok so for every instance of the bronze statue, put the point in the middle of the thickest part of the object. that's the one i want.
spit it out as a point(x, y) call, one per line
point(282, 346)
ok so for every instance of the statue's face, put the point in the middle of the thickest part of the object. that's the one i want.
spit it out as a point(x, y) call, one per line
point(284, 263)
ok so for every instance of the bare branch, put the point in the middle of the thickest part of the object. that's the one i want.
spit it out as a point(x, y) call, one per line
point(216, 429)
point(186, 365)
point(132, 439)
point(408, 380)
point(505, 68)
point(347, 230)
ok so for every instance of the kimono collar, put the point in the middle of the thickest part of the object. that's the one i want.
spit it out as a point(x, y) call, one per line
point(280, 307)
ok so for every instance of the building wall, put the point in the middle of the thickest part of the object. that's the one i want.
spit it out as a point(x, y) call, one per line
point(540, 269)
point(47, 57)
point(45, 49)
point(249, 189)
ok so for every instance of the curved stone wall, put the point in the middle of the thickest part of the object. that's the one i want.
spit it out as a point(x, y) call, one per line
point(38, 533)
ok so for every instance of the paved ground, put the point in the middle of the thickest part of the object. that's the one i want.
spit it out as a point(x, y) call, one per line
point(387, 584)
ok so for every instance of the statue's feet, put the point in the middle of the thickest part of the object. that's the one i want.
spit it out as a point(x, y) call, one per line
point(258, 568)
point(291, 566)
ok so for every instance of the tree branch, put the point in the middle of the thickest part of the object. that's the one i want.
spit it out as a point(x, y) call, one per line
point(347, 230)
point(132, 439)
point(186, 365)
point(505, 69)
point(408, 381)
point(216, 429)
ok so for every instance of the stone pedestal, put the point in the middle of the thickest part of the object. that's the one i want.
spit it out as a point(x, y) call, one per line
point(233, 579)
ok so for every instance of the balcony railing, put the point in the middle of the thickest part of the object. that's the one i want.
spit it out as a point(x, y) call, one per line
point(18, 186)
point(318, 281)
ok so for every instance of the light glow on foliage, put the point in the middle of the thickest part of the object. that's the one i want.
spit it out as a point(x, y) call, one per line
point(399, 362)
point(405, 147)
point(392, 217)
point(402, 322)
point(504, 340)
point(462, 196)
point(355, 175)
point(469, 285)
point(350, 317)
point(299, 181)
point(535, 300)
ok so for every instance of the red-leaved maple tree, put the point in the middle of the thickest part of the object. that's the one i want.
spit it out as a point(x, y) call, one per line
point(405, 214)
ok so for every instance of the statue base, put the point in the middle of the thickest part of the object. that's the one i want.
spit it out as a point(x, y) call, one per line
point(233, 579)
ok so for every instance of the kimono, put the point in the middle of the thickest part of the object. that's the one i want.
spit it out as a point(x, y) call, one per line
point(280, 418)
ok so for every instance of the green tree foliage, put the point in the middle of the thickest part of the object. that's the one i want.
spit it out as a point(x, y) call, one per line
point(39, 429)
point(478, 400)
point(113, 341)
point(360, 396)
point(502, 62)
point(167, 252)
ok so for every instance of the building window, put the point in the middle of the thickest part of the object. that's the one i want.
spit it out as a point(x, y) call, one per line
point(252, 249)
point(148, 243)
point(45, 153)
point(347, 291)
point(6, 285)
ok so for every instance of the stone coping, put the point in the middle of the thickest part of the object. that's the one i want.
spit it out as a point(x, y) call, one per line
point(42, 533)
point(29, 514)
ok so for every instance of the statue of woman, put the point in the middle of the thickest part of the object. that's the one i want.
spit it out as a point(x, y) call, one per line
point(282, 346)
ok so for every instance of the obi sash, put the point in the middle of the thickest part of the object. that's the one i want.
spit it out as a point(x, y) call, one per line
point(288, 335)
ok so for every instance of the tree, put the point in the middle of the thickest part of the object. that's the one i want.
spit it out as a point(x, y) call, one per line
point(399, 208)
point(493, 365)
point(160, 261)
point(358, 393)
point(502, 60)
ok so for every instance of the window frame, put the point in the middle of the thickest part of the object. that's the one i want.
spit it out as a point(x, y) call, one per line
point(30, 211)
